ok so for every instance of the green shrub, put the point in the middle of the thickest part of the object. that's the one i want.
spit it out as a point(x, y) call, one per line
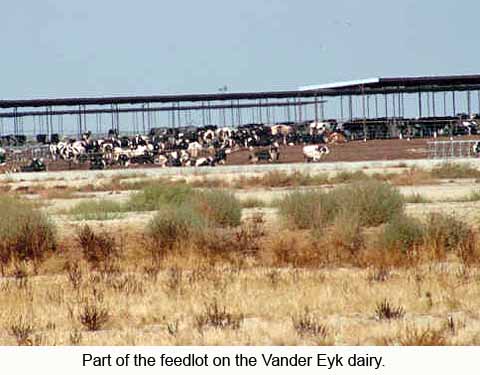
point(25, 232)
point(446, 232)
point(219, 207)
point(403, 233)
point(172, 225)
point(307, 209)
point(155, 196)
point(375, 202)
point(97, 210)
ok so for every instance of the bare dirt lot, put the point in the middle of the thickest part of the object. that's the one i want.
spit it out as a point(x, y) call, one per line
point(392, 149)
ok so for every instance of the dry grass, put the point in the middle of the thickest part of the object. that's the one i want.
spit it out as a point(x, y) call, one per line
point(247, 284)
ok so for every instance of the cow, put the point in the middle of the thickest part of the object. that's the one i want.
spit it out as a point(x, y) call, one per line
point(271, 154)
point(314, 152)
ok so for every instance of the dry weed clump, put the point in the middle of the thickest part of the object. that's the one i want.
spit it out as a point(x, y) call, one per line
point(415, 336)
point(385, 310)
point(379, 274)
point(93, 315)
point(26, 234)
point(216, 316)
point(445, 232)
point(454, 171)
point(126, 283)
point(232, 243)
point(308, 325)
point(22, 329)
point(98, 249)
point(346, 233)
point(412, 177)
point(75, 274)
point(294, 248)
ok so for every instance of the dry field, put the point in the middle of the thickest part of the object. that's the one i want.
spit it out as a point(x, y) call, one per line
point(374, 257)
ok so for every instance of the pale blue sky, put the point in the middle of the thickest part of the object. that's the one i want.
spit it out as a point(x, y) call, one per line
point(68, 48)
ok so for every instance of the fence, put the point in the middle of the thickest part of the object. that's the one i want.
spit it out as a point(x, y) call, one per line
point(453, 149)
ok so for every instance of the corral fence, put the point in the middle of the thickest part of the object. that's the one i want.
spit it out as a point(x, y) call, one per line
point(453, 149)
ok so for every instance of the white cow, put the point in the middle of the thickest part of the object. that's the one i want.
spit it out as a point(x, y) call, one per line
point(315, 152)
point(194, 149)
point(2, 156)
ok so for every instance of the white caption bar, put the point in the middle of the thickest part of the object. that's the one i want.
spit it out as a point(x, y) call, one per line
point(237, 360)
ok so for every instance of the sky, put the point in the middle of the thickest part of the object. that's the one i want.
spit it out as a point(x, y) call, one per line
point(57, 48)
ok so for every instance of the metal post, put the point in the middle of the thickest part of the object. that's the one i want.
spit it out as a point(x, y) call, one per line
point(322, 107)
point(469, 104)
point(368, 106)
point(454, 104)
point(364, 114)
point(289, 118)
point(433, 103)
point(341, 108)
point(178, 113)
point(350, 107)
point(445, 103)
point(239, 113)
point(386, 105)
point(420, 105)
point(300, 114)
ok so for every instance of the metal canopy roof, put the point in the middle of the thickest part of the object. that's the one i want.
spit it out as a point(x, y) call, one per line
point(369, 86)
point(401, 82)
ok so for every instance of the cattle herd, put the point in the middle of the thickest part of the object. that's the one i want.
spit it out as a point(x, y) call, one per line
point(196, 146)
point(208, 145)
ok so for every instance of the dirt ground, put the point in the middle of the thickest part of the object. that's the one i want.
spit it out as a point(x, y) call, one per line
point(392, 149)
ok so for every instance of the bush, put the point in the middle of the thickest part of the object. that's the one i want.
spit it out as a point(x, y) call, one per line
point(155, 196)
point(97, 248)
point(402, 233)
point(25, 232)
point(220, 207)
point(373, 201)
point(308, 209)
point(446, 232)
point(173, 224)
point(93, 316)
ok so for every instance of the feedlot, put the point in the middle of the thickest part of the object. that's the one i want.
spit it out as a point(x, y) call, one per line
point(384, 253)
